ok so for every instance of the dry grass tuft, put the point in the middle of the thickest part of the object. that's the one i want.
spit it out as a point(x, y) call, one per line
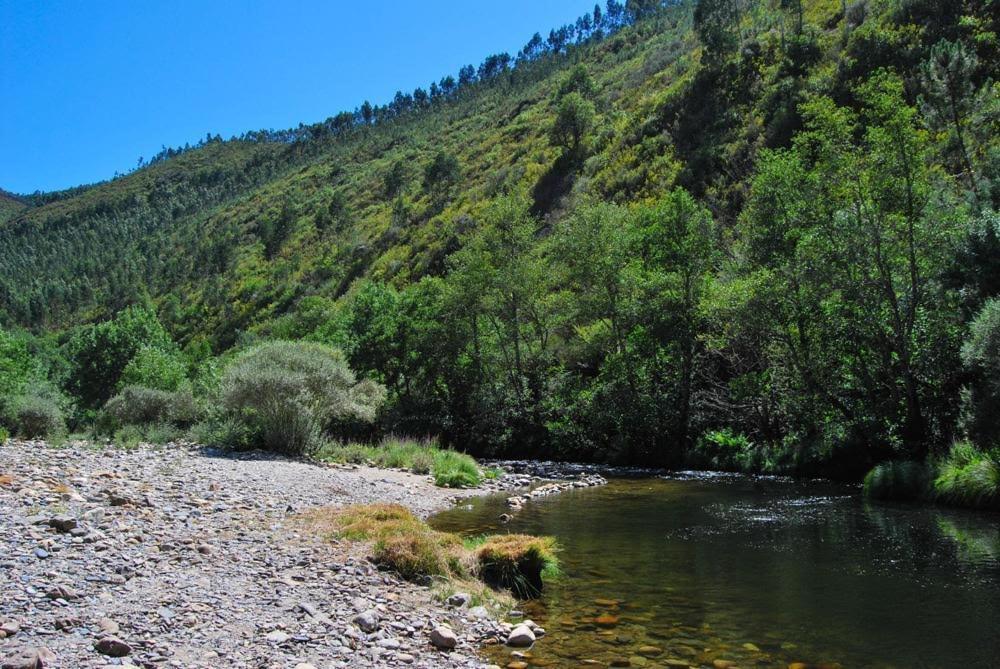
point(403, 543)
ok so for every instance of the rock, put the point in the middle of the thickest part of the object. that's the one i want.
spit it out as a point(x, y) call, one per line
point(63, 592)
point(26, 658)
point(521, 637)
point(479, 613)
point(723, 664)
point(752, 647)
point(9, 629)
point(63, 523)
point(443, 638)
point(367, 622)
point(109, 626)
point(459, 600)
point(112, 646)
point(305, 665)
point(650, 651)
point(278, 637)
point(606, 620)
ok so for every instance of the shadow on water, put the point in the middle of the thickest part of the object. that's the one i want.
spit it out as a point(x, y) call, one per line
point(758, 572)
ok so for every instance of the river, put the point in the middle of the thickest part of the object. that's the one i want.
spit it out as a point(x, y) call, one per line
point(706, 570)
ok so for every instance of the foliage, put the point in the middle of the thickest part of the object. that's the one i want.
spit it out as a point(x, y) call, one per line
point(969, 477)
point(142, 406)
point(155, 368)
point(898, 480)
point(449, 468)
point(517, 562)
point(36, 416)
point(573, 122)
point(288, 394)
point(455, 470)
point(748, 225)
point(100, 353)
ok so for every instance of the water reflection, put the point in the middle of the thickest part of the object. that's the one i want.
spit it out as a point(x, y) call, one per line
point(758, 572)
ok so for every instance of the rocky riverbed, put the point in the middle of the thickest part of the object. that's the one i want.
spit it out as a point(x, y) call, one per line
point(181, 557)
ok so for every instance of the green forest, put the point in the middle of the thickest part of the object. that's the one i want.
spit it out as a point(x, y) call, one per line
point(750, 235)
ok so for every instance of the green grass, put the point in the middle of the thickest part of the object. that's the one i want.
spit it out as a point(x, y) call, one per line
point(898, 480)
point(450, 469)
point(969, 477)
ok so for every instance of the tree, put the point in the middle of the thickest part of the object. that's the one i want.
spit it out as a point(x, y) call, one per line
point(100, 353)
point(441, 172)
point(466, 76)
point(367, 113)
point(577, 81)
point(574, 120)
point(950, 97)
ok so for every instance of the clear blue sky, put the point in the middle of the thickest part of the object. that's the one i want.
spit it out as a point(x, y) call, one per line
point(88, 87)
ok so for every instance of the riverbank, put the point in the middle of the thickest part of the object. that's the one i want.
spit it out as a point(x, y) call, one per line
point(177, 556)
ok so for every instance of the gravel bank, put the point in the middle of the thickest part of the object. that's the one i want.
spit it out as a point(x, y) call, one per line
point(179, 557)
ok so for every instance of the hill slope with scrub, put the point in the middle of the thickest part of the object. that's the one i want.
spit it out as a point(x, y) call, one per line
point(744, 234)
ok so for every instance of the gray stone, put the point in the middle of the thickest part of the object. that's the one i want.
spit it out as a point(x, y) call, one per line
point(443, 638)
point(367, 621)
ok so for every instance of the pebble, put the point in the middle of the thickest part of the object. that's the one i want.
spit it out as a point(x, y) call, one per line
point(521, 637)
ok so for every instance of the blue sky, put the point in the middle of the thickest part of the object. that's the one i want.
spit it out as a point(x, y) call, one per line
point(88, 87)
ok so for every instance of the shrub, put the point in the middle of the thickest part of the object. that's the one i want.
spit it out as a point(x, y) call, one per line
point(137, 405)
point(969, 477)
point(156, 369)
point(899, 480)
point(4, 435)
point(37, 416)
point(288, 394)
point(981, 353)
point(455, 470)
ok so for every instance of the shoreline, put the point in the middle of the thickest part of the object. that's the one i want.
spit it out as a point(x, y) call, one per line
point(178, 556)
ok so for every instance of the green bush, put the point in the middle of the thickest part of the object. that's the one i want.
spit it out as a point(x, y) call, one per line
point(37, 416)
point(969, 477)
point(139, 406)
point(4, 435)
point(287, 395)
point(156, 369)
point(899, 480)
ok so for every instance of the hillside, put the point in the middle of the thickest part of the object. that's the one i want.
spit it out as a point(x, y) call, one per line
point(639, 243)
point(10, 206)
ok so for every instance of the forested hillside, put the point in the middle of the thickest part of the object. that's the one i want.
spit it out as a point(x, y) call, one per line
point(753, 234)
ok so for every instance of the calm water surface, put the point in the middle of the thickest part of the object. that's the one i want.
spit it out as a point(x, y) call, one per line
point(759, 572)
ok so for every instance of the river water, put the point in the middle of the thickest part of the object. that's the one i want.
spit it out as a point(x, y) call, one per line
point(757, 572)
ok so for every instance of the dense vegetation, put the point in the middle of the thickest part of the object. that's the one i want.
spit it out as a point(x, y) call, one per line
point(750, 234)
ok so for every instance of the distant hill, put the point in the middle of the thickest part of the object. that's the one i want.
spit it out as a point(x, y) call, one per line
point(10, 206)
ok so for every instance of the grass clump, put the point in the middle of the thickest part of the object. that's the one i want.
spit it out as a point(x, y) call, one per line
point(450, 469)
point(455, 470)
point(403, 543)
point(517, 562)
point(969, 477)
point(898, 480)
